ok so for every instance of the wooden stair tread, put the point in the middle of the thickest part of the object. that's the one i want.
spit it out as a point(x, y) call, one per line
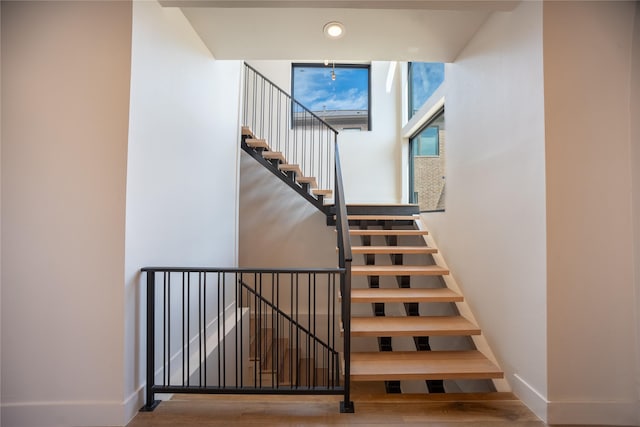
point(306, 372)
point(388, 232)
point(274, 155)
point(393, 250)
point(246, 131)
point(308, 180)
point(289, 373)
point(290, 168)
point(275, 357)
point(382, 217)
point(265, 341)
point(319, 192)
point(422, 365)
point(398, 270)
point(404, 295)
point(257, 143)
point(412, 326)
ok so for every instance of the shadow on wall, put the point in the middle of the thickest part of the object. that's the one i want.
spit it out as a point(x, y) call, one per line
point(278, 228)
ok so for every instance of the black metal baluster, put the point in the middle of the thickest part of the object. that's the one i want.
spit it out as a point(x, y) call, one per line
point(168, 368)
point(204, 326)
point(224, 330)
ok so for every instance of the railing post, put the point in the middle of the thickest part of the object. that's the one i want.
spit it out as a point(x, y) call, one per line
point(346, 406)
point(344, 259)
point(150, 404)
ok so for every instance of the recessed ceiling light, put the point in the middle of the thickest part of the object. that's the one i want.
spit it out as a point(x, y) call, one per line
point(333, 30)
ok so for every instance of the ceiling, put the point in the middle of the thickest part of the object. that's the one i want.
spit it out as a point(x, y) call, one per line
point(431, 31)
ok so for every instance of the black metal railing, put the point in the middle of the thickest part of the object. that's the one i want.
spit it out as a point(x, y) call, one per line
point(260, 331)
point(289, 127)
point(243, 331)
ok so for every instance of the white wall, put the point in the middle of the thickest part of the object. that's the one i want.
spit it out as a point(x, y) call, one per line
point(278, 227)
point(65, 96)
point(371, 161)
point(493, 231)
point(635, 169)
point(182, 181)
point(592, 308)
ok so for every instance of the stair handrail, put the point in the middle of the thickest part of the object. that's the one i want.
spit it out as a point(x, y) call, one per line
point(283, 92)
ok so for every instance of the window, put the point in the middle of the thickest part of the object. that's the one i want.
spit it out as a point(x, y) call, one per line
point(337, 93)
point(424, 79)
point(426, 165)
point(426, 143)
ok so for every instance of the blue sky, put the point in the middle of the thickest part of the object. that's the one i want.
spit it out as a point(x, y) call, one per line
point(426, 77)
point(314, 88)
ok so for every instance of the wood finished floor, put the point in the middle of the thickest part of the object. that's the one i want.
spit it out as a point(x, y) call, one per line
point(373, 408)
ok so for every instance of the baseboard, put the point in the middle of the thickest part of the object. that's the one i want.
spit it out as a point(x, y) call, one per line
point(620, 413)
point(531, 397)
point(133, 403)
point(62, 414)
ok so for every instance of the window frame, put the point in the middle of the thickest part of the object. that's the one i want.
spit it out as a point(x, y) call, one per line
point(294, 65)
point(410, 111)
point(440, 112)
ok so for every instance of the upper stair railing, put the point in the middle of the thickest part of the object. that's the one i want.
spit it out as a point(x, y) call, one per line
point(288, 127)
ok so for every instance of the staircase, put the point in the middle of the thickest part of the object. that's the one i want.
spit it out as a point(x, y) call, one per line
point(394, 238)
point(398, 247)
point(291, 173)
point(401, 283)
point(277, 362)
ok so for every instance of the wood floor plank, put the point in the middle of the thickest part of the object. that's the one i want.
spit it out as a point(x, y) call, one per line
point(379, 410)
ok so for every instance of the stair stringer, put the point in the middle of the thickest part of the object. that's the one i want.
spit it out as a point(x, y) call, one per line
point(480, 341)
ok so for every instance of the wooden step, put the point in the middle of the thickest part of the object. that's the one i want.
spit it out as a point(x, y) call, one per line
point(274, 155)
point(306, 372)
point(355, 232)
point(404, 295)
point(393, 250)
point(422, 365)
point(410, 326)
point(290, 168)
point(383, 217)
point(273, 362)
point(322, 379)
point(257, 143)
point(398, 270)
point(325, 193)
point(264, 344)
point(308, 180)
point(246, 131)
point(289, 373)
